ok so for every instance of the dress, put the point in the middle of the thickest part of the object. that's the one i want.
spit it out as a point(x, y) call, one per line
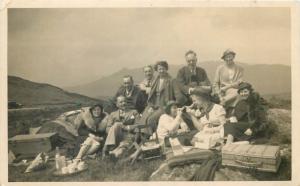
point(226, 76)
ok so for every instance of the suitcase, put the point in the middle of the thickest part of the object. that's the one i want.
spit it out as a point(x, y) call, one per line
point(31, 145)
point(264, 158)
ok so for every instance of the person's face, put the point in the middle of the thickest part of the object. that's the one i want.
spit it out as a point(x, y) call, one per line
point(229, 59)
point(173, 110)
point(197, 100)
point(121, 103)
point(96, 112)
point(127, 82)
point(244, 93)
point(191, 60)
point(162, 71)
point(148, 72)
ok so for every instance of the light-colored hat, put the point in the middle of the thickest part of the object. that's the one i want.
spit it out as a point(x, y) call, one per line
point(228, 51)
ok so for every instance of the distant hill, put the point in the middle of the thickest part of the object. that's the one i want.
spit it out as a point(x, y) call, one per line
point(30, 93)
point(266, 79)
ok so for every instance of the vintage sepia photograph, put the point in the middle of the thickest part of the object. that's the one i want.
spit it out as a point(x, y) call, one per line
point(119, 94)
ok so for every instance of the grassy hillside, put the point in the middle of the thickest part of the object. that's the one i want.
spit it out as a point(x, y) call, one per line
point(31, 94)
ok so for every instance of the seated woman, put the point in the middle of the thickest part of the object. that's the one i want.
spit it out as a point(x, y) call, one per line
point(208, 115)
point(74, 127)
point(227, 78)
point(91, 125)
point(171, 122)
point(249, 115)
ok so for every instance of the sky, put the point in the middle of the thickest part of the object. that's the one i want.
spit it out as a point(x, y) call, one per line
point(69, 47)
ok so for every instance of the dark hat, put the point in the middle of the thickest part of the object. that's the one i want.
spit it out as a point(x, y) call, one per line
point(168, 106)
point(228, 51)
point(200, 92)
point(161, 63)
point(245, 85)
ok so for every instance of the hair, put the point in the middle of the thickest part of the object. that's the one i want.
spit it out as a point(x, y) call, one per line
point(97, 105)
point(148, 66)
point(161, 63)
point(128, 76)
point(190, 52)
point(245, 85)
point(169, 106)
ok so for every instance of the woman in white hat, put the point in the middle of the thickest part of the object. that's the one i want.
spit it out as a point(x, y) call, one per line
point(227, 78)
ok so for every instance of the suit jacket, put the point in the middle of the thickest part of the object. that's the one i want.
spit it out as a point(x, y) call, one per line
point(137, 100)
point(185, 80)
point(167, 92)
point(130, 117)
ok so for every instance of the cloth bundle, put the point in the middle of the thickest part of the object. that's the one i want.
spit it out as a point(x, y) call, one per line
point(38, 163)
point(193, 156)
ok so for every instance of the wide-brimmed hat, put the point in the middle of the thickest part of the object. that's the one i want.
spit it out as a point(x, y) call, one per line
point(168, 106)
point(245, 85)
point(200, 92)
point(227, 52)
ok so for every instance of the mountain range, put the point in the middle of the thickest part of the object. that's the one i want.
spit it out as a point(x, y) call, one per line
point(266, 79)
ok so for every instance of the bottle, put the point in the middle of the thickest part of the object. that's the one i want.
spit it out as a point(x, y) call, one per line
point(57, 159)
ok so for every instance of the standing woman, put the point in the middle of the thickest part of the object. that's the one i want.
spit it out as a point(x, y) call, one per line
point(249, 115)
point(161, 92)
point(227, 78)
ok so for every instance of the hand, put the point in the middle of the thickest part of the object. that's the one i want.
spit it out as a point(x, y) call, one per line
point(97, 138)
point(248, 132)
point(179, 112)
point(191, 89)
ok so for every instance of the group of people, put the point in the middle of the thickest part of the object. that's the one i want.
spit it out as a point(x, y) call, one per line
point(161, 106)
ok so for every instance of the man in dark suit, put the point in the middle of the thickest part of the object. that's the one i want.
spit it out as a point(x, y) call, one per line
point(135, 98)
point(189, 78)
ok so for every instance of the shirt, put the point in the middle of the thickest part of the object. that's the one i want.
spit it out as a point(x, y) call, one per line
point(167, 124)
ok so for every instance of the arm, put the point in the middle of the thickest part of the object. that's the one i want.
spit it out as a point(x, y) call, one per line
point(216, 84)
point(181, 82)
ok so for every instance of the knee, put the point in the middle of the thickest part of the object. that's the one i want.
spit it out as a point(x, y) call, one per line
point(88, 141)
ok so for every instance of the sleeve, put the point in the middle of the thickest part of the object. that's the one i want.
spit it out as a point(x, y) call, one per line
point(206, 81)
point(260, 114)
point(221, 114)
point(78, 121)
point(240, 74)
point(141, 101)
point(110, 122)
point(103, 124)
point(216, 84)
point(181, 82)
point(241, 110)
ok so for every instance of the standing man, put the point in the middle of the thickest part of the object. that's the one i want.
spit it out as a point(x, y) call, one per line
point(189, 78)
point(135, 99)
point(147, 83)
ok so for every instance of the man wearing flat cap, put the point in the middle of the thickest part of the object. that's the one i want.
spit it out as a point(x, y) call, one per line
point(191, 77)
point(227, 79)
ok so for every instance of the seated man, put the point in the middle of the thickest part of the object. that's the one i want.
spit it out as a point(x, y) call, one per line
point(120, 127)
point(134, 97)
point(189, 78)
